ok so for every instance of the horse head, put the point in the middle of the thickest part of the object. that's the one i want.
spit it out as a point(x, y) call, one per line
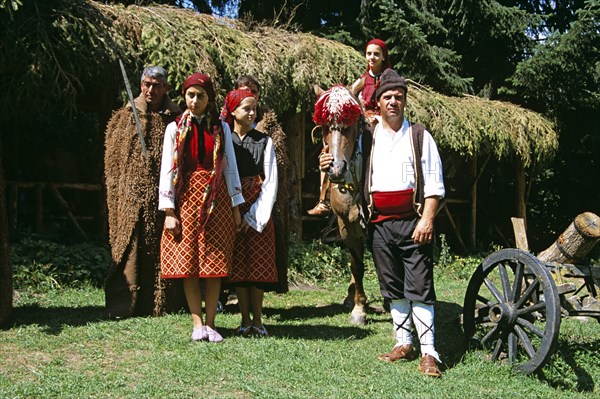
point(337, 113)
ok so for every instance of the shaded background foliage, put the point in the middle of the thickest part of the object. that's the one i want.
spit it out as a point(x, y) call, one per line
point(542, 54)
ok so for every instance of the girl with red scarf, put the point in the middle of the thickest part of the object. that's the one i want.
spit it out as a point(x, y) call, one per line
point(199, 187)
point(378, 60)
point(254, 251)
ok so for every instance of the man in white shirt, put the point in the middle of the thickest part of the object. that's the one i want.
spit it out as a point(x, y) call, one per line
point(401, 224)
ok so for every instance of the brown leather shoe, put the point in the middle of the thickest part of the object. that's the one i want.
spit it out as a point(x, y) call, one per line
point(402, 352)
point(429, 366)
point(321, 209)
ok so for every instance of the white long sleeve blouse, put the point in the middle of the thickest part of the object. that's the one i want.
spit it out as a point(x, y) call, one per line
point(166, 191)
point(260, 212)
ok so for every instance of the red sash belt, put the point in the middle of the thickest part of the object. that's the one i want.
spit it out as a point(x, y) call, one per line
point(393, 205)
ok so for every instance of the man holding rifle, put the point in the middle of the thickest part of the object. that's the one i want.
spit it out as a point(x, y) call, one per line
point(133, 146)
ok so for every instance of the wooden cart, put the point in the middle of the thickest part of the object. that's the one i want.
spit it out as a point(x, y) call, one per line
point(514, 301)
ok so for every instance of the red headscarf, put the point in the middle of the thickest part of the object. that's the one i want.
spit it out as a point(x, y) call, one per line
point(233, 99)
point(202, 80)
point(184, 127)
point(386, 58)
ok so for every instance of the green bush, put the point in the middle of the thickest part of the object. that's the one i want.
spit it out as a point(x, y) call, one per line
point(459, 268)
point(40, 264)
point(314, 261)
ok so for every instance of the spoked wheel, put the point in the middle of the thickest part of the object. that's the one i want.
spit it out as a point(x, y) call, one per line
point(512, 309)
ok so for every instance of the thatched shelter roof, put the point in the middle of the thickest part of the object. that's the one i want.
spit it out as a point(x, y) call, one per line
point(473, 125)
point(58, 52)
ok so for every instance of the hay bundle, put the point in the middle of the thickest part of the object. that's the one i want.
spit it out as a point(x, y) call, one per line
point(81, 48)
point(70, 48)
point(472, 126)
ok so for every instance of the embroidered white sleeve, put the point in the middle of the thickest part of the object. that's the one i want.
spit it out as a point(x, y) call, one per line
point(166, 194)
point(260, 212)
point(230, 172)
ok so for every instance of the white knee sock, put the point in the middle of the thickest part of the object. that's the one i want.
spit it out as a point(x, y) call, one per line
point(400, 310)
point(423, 319)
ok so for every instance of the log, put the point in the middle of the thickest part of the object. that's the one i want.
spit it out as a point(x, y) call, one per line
point(575, 242)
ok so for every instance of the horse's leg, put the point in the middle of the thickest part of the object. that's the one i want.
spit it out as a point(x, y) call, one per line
point(349, 300)
point(343, 231)
point(355, 244)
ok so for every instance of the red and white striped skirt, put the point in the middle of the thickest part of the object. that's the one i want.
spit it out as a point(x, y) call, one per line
point(195, 253)
point(254, 252)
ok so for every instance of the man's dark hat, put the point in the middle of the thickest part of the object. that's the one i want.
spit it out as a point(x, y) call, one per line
point(390, 80)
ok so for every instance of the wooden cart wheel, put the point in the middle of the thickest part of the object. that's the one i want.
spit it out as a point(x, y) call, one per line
point(512, 309)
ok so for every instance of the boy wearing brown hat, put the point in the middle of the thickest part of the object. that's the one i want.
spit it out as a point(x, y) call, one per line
point(401, 225)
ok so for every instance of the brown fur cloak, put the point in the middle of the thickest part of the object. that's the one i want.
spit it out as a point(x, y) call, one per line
point(135, 225)
point(281, 214)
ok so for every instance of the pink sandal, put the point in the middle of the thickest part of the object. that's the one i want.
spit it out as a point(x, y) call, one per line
point(213, 335)
point(199, 334)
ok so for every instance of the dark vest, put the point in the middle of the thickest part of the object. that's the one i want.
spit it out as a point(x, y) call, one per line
point(417, 140)
point(250, 152)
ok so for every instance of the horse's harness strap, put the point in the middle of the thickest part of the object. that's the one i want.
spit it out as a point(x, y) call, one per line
point(353, 186)
point(312, 133)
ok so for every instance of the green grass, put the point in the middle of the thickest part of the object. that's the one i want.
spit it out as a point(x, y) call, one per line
point(61, 345)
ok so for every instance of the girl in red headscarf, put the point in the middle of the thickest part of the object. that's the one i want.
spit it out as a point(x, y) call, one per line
point(254, 251)
point(378, 60)
point(199, 187)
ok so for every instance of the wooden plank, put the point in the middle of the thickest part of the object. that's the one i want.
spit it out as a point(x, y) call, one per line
point(39, 209)
point(79, 186)
point(455, 229)
point(73, 186)
point(457, 201)
point(65, 206)
point(520, 184)
point(14, 207)
point(473, 226)
point(520, 233)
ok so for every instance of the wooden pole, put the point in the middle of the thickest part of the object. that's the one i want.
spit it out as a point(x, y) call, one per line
point(6, 286)
point(65, 206)
point(14, 206)
point(39, 209)
point(575, 242)
point(520, 233)
point(453, 225)
point(473, 230)
point(521, 191)
point(293, 126)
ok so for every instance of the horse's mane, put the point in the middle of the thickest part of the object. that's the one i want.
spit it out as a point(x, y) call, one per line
point(337, 106)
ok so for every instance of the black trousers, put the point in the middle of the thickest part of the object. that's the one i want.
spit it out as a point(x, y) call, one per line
point(404, 269)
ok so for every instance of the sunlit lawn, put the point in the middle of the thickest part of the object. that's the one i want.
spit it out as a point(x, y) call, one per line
point(61, 345)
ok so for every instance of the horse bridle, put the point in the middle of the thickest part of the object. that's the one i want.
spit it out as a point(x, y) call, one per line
point(345, 186)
